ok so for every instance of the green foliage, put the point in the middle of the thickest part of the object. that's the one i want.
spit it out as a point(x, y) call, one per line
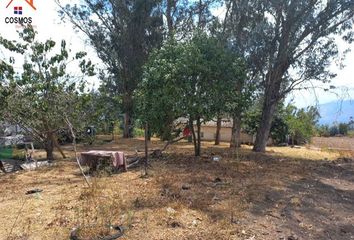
point(138, 132)
point(323, 130)
point(195, 79)
point(326, 131)
point(299, 124)
point(302, 123)
point(279, 128)
point(343, 129)
point(123, 33)
point(102, 108)
point(333, 130)
point(43, 94)
point(251, 120)
point(288, 45)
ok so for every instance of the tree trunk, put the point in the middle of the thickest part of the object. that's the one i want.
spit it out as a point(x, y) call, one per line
point(272, 96)
point(146, 148)
point(127, 125)
point(57, 145)
point(49, 147)
point(112, 130)
point(149, 134)
point(265, 125)
point(169, 17)
point(193, 134)
point(236, 132)
point(197, 150)
point(218, 129)
point(128, 112)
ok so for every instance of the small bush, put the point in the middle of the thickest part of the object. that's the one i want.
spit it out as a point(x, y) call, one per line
point(138, 132)
point(343, 129)
point(333, 131)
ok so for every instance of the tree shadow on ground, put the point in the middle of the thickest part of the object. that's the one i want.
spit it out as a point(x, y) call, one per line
point(275, 198)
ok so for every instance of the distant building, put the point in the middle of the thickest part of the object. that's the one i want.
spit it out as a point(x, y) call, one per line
point(208, 132)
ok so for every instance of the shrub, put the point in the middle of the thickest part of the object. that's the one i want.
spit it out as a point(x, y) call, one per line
point(343, 129)
point(333, 131)
point(138, 132)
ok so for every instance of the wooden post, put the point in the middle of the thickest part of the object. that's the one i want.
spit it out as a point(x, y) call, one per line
point(75, 150)
point(32, 153)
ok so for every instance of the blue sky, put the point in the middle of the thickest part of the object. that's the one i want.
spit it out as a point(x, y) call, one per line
point(49, 25)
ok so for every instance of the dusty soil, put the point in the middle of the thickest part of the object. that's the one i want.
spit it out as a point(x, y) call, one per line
point(283, 194)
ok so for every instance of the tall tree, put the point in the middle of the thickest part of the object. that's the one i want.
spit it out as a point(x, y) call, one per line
point(103, 106)
point(193, 80)
point(289, 43)
point(184, 17)
point(122, 33)
point(238, 41)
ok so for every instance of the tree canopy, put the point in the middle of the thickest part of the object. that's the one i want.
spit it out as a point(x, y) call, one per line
point(288, 43)
point(43, 94)
point(195, 80)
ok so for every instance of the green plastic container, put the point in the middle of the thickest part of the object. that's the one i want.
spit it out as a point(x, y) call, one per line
point(6, 152)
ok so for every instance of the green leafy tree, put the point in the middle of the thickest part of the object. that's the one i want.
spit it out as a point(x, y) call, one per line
point(104, 108)
point(194, 79)
point(323, 131)
point(184, 17)
point(302, 123)
point(343, 129)
point(299, 124)
point(43, 94)
point(279, 129)
point(289, 44)
point(333, 130)
point(123, 33)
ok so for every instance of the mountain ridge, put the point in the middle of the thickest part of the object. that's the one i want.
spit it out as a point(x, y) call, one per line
point(336, 112)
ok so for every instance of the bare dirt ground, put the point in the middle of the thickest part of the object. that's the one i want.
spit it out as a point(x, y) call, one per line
point(283, 194)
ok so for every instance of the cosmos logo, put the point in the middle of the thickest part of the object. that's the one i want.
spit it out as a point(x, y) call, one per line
point(18, 11)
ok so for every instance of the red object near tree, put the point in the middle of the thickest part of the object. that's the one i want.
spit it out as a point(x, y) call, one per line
point(187, 132)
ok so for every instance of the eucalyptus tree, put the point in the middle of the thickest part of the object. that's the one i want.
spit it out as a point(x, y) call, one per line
point(245, 80)
point(122, 33)
point(104, 108)
point(288, 43)
point(42, 94)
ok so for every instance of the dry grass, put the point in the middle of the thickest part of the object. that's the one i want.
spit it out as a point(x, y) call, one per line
point(342, 143)
point(183, 198)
